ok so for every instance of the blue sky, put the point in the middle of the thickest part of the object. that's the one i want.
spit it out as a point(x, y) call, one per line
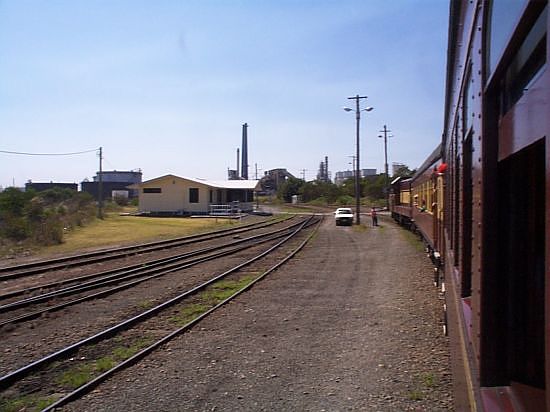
point(165, 86)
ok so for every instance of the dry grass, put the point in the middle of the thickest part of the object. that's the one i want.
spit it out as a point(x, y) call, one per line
point(124, 230)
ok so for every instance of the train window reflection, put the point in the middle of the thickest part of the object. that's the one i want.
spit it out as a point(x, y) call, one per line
point(503, 15)
point(528, 61)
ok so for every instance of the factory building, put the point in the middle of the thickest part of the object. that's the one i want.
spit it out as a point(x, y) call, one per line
point(272, 179)
point(113, 182)
point(39, 187)
point(174, 195)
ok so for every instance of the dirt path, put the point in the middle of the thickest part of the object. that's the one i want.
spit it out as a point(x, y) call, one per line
point(352, 323)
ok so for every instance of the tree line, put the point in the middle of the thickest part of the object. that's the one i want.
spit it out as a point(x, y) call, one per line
point(371, 187)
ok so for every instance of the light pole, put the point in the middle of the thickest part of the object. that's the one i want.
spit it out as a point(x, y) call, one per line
point(386, 186)
point(357, 169)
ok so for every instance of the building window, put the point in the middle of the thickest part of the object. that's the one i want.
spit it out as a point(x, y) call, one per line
point(152, 190)
point(193, 195)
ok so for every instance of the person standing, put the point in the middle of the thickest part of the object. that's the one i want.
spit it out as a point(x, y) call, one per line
point(374, 217)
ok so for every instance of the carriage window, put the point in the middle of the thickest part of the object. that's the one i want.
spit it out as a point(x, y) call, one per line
point(503, 15)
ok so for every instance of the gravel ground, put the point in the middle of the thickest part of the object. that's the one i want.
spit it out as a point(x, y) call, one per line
point(352, 323)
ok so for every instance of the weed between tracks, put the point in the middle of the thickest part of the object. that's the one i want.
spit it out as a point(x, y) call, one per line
point(75, 376)
point(423, 383)
point(83, 373)
point(213, 295)
point(26, 403)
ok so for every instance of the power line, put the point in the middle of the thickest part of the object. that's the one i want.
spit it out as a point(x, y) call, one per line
point(48, 154)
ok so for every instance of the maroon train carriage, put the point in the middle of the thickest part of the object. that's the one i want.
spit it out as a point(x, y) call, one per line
point(417, 203)
point(400, 201)
point(427, 202)
point(497, 219)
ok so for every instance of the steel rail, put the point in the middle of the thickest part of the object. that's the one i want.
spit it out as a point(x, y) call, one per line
point(31, 268)
point(87, 387)
point(155, 274)
point(10, 378)
point(91, 280)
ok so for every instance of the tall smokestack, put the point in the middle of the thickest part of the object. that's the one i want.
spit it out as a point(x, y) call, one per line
point(326, 168)
point(244, 159)
point(237, 162)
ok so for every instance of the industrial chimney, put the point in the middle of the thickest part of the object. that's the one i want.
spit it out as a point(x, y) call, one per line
point(244, 154)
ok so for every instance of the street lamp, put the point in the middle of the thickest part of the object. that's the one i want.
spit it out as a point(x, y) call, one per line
point(357, 169)
point(386, 186)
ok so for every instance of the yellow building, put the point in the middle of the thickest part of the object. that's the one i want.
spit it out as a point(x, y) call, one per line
point(172, 194)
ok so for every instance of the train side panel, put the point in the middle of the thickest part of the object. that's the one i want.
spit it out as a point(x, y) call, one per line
point(496, 203)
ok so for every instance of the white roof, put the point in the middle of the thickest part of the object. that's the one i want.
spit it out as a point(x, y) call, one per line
point(219, 184)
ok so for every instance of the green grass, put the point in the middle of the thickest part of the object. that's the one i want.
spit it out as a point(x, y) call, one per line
point(415, 395)
point(429, 380)
point(359, 228)
point(423, 382)
point(28, 403)
point(210, 297)
point(146, 304)
point(413, 240)
point(124, 230)
point(85, 372)
point(189, 313)
point(224, 289)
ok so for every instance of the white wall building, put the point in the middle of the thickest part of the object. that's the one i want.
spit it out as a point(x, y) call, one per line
point(172, 194)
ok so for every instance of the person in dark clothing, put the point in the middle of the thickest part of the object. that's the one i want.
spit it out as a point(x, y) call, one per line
point(374, 217)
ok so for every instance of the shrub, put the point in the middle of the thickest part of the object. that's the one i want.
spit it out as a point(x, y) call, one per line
point(15, 227)
point(345, 200)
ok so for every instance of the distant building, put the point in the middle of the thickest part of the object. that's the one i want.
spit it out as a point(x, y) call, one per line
point(272, 179)
point(113, 181)
point(40, 187)
point(340, 177)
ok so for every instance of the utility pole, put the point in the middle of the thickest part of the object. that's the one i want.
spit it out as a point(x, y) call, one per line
point(304, 174)
point(357, 98)
point(100, 185)
point(387, 185)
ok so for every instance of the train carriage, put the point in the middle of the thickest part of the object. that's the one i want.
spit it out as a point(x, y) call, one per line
point(427, 202)
point(417, 202)
point(400, 201)
point(497, 185)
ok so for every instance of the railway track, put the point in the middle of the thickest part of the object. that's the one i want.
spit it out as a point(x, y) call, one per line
point(121, 345)
point(64, 262)
point(112, 281)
